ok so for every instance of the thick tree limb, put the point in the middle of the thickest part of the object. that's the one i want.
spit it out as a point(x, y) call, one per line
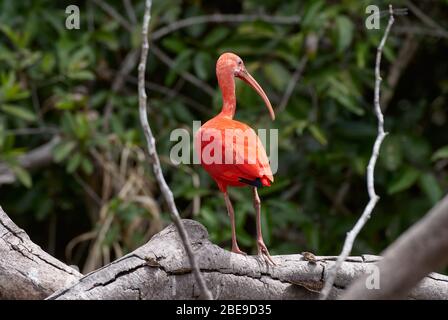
point(27, 272)
point(424, 247)
point(161, 270)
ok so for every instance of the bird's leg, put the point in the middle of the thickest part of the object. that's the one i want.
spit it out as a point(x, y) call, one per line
point(262, 249)
point(235, 247)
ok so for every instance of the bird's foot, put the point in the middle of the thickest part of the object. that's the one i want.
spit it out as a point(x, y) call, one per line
point(263, 252)
point(237, 250)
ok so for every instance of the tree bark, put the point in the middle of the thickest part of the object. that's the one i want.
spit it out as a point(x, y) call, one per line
point(27, 272)
point(417, 252)
point(160, 269)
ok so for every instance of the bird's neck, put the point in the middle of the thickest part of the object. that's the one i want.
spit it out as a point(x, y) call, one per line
point(226, 83)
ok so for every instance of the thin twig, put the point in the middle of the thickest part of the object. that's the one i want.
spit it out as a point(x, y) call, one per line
point(184, 74)
point(114, 14)
point(292, 83)
point(170, 93)
point(166, 192)
point(426, 19)
point(130, 11)
point(407, 52)
point(36, 105)
point(221, 18)
point(420, 30)
point(351, 236)
point(33, 131)
point(126, 67)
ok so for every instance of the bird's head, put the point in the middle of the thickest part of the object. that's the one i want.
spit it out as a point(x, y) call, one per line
point(230, 62)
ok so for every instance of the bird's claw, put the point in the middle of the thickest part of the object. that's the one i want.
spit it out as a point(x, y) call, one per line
point(263, 252)
point(238, 251)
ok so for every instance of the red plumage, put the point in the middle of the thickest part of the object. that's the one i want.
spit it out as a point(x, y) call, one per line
point(230, 151)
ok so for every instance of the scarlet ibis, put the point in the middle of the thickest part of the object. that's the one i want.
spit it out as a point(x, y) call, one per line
point(249, 164)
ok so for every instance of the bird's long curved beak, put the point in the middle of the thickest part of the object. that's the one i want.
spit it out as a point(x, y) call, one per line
point(246, 77)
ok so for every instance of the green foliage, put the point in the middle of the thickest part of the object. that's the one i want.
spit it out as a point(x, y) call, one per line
point(51, 77)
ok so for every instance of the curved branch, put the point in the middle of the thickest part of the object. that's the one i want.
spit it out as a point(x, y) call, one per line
point(424, 246)
point(222, 18)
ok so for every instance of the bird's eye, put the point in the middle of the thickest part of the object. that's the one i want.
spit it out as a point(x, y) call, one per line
point(240, 62)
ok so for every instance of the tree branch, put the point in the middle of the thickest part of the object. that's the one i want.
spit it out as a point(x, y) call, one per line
point(222, 18)
point(351, 236)
point(161, 270)
point(35, 158)
point(424, 247)
point(292, 83)
point(204, 86)
point(166, 192)
point(27, 272)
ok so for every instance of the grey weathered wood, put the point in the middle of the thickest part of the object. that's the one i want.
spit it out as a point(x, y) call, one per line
point(26, 271)
point(160, 270)
point(421, 249)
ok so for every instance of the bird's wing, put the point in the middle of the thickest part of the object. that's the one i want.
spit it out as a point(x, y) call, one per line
point(250, 156)
point(242, 152)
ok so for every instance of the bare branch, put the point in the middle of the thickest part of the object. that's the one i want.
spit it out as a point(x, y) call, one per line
point(184, 74)
point(351, 236)
point(130, 11)
point(405, 56)
point(126, 67)
point(33, 131)
point(222, 18)
point(424, 247)
point(160, 270)
point(292, 83)
point(167, 194)
point(152, 86)
point(38, 157)
point(419, 30)
point(426, 19)
point(114, 14)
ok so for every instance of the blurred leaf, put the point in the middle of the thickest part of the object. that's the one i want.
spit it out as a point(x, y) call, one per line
point(404, 180)
point(345, 29)
point(441, 153)
point(23, 176)
point(431, 187)
point(318, 134)
point(203, 65)
point(74, 162)
point(311, 12)
point(391, 155)
point(62, 150)
point(215, 36)
point(18, 111)
point(87, 166)
point(277, 74)
point(81, 75)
